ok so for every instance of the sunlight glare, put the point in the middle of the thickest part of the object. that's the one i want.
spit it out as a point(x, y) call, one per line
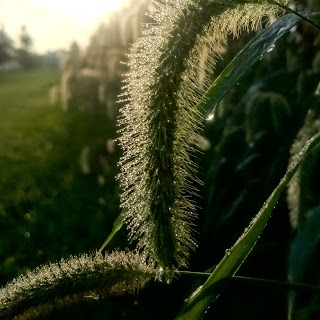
point(76, 8)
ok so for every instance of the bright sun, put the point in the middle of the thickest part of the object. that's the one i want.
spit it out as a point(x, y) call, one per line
point(76, 8)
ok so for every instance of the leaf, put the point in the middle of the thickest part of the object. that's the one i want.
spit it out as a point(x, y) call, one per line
point(203, 296)
point(255, 49)
point(304, 249)
point(117, 225)
point(313, 21)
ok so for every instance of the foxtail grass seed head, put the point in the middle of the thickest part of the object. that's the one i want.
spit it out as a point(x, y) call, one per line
point(87, 277)
point(170, 69)
point(300, 194)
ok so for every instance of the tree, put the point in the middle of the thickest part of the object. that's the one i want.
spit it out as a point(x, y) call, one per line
point(6, 46)
point(25, 39)
point(24, 52)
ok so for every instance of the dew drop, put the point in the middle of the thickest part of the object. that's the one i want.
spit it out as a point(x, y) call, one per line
point(27, 216)
point(194, 293)
point(210, 117)
point(228, 71)
point(165, 275)
point(318, 90)
point(271, 48)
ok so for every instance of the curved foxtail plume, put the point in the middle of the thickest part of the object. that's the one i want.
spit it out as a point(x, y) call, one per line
point(160, 122)
point(301, 196)
point(84, 278)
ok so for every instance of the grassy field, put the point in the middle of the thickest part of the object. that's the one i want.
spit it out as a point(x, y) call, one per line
point(48, 207)
point(28, 126)
point(31, 86)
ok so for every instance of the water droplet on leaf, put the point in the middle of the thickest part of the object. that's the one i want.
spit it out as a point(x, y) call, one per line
point(210, 117)
point(271, 48)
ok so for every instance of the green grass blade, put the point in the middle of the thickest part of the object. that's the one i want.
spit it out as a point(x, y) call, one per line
point(198, 302)
point(245, 59)
point(311, 21)
point(117, 225)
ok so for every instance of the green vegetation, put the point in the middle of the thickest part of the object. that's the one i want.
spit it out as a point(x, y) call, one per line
point(46, 202)
point(262, 127)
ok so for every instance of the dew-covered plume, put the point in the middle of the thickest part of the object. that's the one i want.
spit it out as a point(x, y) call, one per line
point(171, 66)
point(88, 277)
point(301, 193)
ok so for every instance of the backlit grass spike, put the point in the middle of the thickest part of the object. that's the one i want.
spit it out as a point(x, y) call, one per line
point(170, 69)
point(86, 277)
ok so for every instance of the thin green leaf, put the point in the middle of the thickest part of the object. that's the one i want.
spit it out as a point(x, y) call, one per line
point(302, 16)
point(255, 282)
point(117, 225)
point(245, 59)
point(302, 252)
point(198, 302)
point(316, 19)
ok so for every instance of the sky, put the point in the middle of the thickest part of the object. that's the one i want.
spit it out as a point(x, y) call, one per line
point(55, 24)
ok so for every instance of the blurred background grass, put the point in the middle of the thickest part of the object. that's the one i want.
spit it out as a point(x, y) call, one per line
point(48, 207)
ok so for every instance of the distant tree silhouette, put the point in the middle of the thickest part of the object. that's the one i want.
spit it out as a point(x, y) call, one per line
point(6, 46)
point(24, 51)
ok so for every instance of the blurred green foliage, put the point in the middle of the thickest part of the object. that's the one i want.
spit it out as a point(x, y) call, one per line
point(48, 207)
